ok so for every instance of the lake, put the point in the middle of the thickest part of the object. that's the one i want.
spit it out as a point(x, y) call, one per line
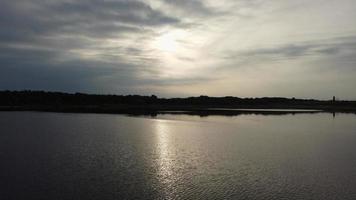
point(100, 156)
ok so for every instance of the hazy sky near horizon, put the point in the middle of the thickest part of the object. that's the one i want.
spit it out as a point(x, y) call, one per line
point(248, 48)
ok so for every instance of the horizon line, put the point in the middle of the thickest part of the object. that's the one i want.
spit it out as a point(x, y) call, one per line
point(194, 96)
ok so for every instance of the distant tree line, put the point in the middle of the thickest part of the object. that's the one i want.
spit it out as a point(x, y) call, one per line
point(27, 97)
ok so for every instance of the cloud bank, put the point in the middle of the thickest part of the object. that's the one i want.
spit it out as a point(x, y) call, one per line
point(180, 47)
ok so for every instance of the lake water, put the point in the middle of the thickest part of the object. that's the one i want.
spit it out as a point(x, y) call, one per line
point(98, 156)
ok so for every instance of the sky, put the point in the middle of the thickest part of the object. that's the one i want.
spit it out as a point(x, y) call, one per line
point(178, 48)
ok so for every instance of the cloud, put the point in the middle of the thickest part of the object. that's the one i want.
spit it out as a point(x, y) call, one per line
point(76, 45)
point(28, 19)
point(328, 47)
point(129, 11)
point(175, 47)
point(192, 7)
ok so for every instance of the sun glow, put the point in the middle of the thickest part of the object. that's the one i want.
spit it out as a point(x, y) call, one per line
point(178, 52)
point(169, 42)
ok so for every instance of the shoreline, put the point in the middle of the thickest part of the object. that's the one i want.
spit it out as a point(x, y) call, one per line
point(189, 110)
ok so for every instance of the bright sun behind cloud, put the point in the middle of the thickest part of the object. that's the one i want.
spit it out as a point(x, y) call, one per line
point(169, 42)
point(170, 46)
point(166, 43)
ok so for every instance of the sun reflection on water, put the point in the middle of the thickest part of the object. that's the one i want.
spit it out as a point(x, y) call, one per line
point(165, 154)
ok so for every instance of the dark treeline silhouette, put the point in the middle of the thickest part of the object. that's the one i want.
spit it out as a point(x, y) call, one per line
point(80, 102)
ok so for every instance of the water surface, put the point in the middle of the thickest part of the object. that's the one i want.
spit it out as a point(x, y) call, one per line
point(97, 156)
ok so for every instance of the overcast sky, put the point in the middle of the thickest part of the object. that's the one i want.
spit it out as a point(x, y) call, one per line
point(247, 48)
